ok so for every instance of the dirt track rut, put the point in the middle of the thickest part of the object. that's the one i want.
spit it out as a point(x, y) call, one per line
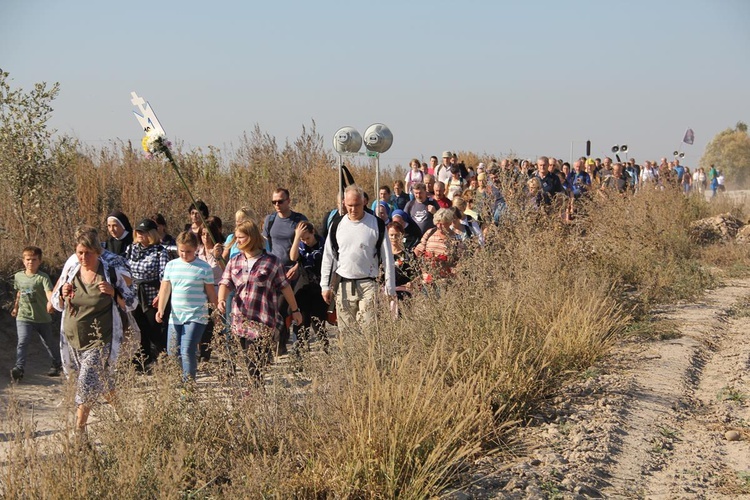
point(648, 421)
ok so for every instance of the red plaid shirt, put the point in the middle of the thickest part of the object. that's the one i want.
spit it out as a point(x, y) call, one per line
point(255, 306)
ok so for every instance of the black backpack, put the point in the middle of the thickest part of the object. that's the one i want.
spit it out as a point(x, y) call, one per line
point(335, 242)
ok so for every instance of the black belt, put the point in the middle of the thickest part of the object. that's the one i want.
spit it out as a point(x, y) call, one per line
point(352, 280)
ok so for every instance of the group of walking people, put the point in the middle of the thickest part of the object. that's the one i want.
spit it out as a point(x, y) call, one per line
point(268, 280)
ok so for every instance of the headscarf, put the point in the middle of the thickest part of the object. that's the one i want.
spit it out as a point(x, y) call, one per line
point(121, 219)
point(387, 211)
point(406, 217)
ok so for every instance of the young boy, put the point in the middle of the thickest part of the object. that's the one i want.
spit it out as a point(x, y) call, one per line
point(30, 310)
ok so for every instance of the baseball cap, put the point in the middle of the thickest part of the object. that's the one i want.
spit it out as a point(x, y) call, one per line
point(146, 225)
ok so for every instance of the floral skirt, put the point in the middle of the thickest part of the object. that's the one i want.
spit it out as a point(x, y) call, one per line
point(94, 377)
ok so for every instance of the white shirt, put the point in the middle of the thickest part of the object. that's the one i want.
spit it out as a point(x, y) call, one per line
point(443, 174)
point(357, 256)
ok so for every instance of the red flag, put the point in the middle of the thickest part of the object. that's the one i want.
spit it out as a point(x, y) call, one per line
point(689, 137)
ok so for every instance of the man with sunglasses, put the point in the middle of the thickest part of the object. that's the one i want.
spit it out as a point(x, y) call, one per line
point(278, 230)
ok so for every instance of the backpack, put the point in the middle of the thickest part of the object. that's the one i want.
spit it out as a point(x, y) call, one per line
point(295, 217)
point(335, 242)
point(438, 170)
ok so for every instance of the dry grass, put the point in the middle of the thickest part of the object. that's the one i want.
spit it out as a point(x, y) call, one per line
point(396, 413)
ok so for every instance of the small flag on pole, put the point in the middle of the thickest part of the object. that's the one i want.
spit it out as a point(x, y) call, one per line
point(689, 137)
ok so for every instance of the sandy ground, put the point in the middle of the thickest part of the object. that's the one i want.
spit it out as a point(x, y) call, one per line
point(650, 420)
point(39, 396)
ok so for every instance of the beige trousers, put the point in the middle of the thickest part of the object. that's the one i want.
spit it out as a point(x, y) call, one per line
point(355, 305)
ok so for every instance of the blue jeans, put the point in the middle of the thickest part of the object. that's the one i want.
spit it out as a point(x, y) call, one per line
point(26, 330)
point(182, 342)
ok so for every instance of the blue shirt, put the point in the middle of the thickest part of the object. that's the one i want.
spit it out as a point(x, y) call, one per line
point(188, 280)
point(680, 171)
point(578, 183)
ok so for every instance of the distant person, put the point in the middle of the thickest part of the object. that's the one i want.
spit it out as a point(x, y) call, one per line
point(403, 261)
point(456, 184)
point(384, 195)
point(161, 227)
point(399, 198)
point(241, 215)
point(649, 173)
point(443, 172)
point(617, 182)
point(440, 198)
point(440, 247)
point(578, 182)
point(195, 211)
point(415, 175)
point(679, 171)
point(412, 233)
point(33, 291)
point(210, 250)
point(429, 183)
point(421, 209)
point(687, 181)
point(720, 182)
point(433, 165)
point(699, 180)
point(713, 173)
point(551, 184)
point(605, 170)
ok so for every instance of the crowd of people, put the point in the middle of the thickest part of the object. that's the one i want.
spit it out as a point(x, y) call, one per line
point(281, 277)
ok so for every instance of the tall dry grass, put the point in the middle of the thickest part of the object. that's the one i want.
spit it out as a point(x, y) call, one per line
point(88, 183)
point(393, 413)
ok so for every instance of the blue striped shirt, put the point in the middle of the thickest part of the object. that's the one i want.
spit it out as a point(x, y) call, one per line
point(188, 281)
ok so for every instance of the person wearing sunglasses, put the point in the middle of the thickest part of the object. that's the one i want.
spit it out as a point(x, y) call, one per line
point(279, 231)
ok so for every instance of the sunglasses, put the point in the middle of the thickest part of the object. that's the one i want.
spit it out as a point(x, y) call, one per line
point(277, 202)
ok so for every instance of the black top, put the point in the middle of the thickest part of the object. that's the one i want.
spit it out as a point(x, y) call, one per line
point(119, 246)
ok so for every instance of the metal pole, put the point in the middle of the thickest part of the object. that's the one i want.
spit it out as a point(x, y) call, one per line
point(377, 176)
point(340, 197)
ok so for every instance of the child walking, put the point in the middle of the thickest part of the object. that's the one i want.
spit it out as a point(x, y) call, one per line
point(190, 281)
point(34, 289)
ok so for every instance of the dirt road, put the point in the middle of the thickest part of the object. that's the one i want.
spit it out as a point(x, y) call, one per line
point(656, 418)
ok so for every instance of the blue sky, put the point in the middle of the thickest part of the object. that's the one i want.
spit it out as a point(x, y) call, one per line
point(475, 75)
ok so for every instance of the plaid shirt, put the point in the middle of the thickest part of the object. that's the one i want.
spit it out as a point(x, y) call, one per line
point(256, 298)
point(147, 268)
